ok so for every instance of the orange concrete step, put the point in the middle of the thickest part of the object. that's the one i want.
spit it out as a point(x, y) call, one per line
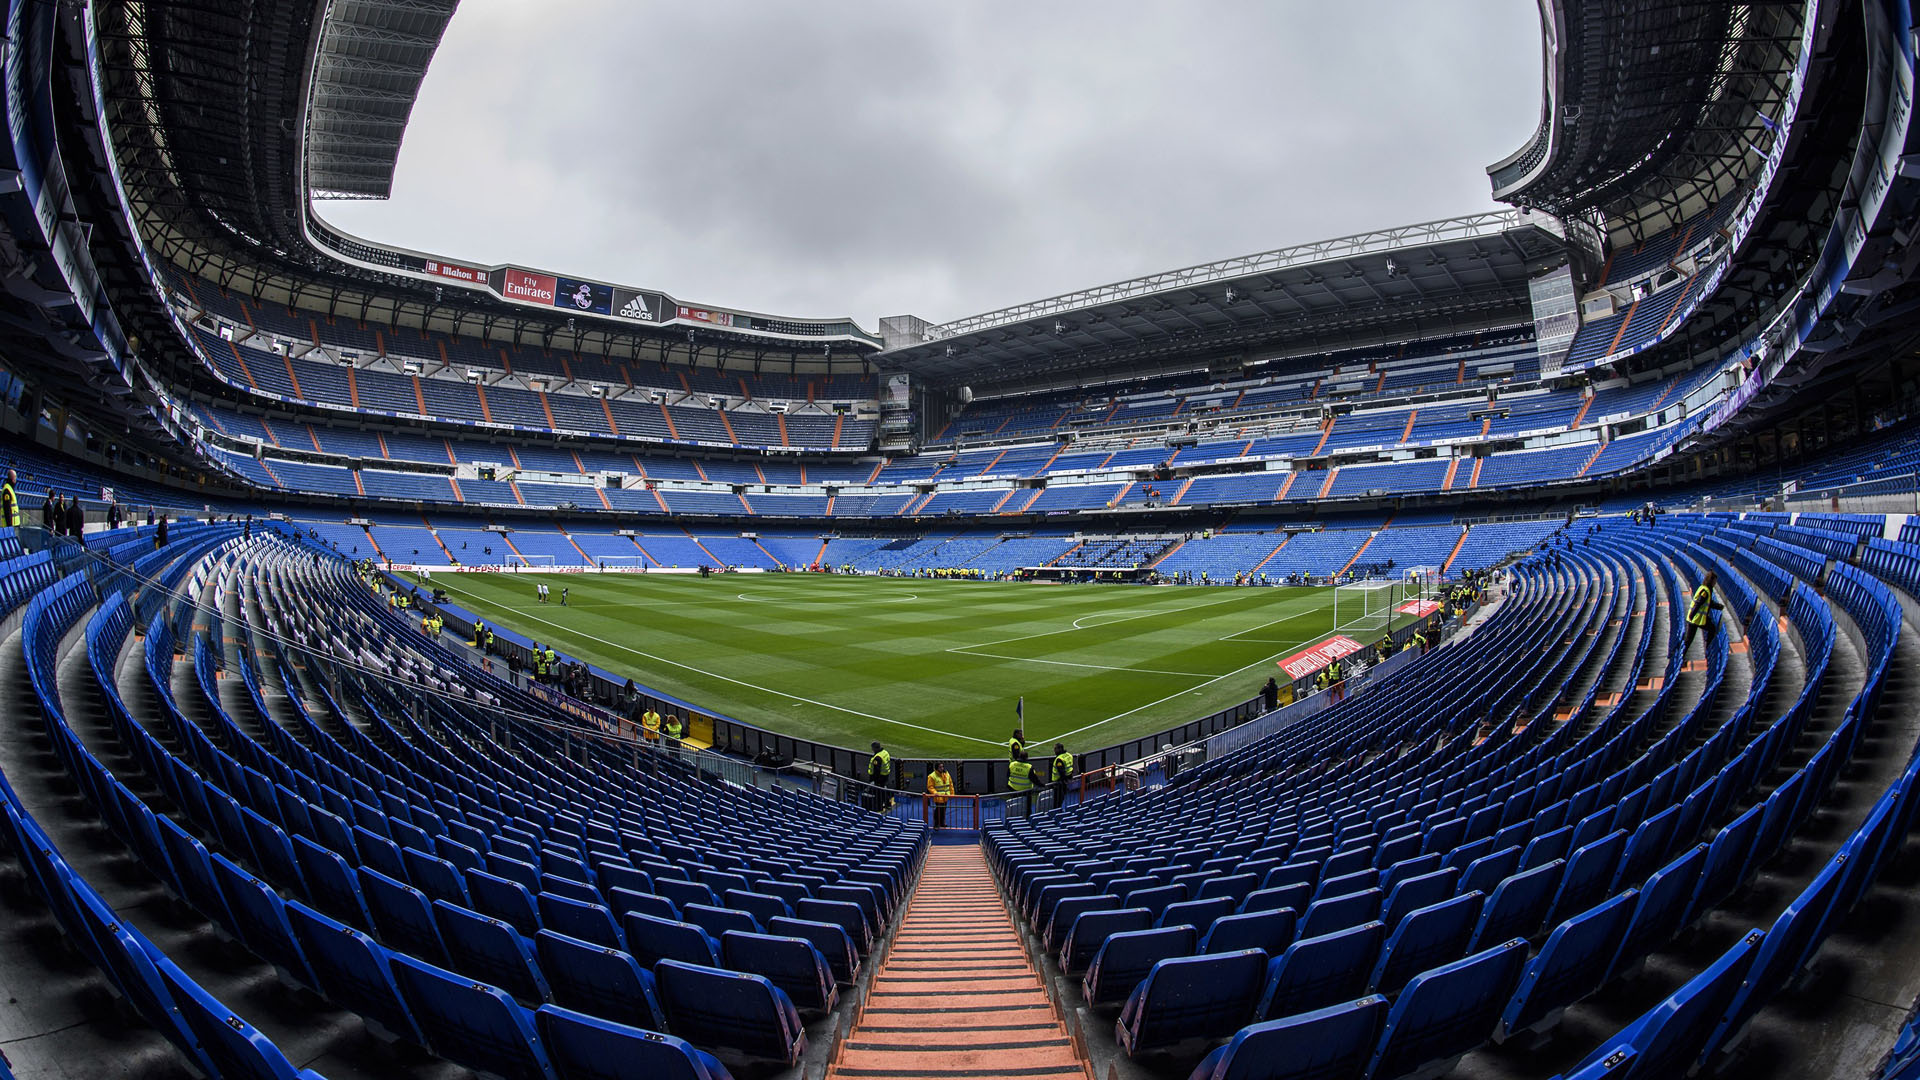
point(957, 995)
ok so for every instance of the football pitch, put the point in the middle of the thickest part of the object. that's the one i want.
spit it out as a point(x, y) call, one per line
point(930, 668)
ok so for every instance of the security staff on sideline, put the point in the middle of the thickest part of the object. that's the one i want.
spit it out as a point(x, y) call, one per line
point(650, 725)
point(939, 787)
point(674, 730)
point(9, 502)
point(539, 663)
point(553, 661)
point(1016, 745)
point(1700, 610)
point(1061, 773)
point(880, 775)
point(1020, 772)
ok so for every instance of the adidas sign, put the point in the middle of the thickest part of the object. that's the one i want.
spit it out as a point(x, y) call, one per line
point(636, 308)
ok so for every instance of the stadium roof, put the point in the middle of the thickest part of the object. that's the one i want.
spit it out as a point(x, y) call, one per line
point(366, 75)
point(1651, 110)
point(1437, 277)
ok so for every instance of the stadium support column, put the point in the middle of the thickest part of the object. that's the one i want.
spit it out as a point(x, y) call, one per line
point(1556, 317)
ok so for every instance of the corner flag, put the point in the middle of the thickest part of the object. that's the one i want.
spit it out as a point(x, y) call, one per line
point(1020, 708)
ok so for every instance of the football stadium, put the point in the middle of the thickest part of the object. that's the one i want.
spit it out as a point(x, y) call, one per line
point(1486, 648)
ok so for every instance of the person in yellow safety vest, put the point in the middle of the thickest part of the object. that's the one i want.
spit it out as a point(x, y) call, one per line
point(1700, 610)
point(880, 775)
point(1060, 772)
point(539, 663)
point(479, 634)
point(673, 729)
point(9, 502)
point(1017, 744)
point(1020, 772)
point(939, 787)
point(650, 725)
point(553, 662)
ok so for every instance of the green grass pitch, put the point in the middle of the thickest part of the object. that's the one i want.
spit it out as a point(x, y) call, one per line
point(930, 668)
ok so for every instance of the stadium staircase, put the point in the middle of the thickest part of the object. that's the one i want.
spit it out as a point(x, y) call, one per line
point(957, 994)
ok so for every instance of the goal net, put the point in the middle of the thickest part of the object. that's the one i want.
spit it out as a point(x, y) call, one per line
point(626, 564)
point(530, 562)
point(1366, 605)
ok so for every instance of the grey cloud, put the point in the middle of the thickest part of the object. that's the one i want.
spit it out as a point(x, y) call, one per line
point(865, 158)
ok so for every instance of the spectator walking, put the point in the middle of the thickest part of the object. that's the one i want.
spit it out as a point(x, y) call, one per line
point(1700, 611)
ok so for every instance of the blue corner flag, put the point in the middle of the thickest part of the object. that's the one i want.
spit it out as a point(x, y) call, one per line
point(1020, 708)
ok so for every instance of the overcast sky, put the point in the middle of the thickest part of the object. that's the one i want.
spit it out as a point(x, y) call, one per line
point(884, 157)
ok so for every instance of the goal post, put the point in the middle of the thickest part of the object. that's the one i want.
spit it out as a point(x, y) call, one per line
point(1365, 605)
point(529, 562)
point(620, 564)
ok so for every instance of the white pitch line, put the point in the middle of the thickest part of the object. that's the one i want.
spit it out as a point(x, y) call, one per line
point(822, 603)
point(1234, 595)
point(742, 682)
point(1170, 697)
point(1069, 663)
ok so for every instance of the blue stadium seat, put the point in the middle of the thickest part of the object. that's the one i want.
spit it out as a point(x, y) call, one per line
point(790, 963)
point(1571, 965)
point(1325, 1044)
point(1125, 958)
point(728, 1010)
point(762, 906)
point(1518, 905)
point(1320, 971)
point(1296, 897)
point(504, 899)
point(1673, 1035)
point(1069, 909)
point(832, 941)
point(1271, 931)
point(331, 884)
point(1191, 997)
point(1090, 930)
point(489, 950)
point(1199, 914)
point(1589, 869)
point(594, 979)
point(622, 900)
point(652, 940)
point(1661, 906)
point(470, 1023)
point(351, 969)
point(584, 1047)
point(1447, 1011)
point(846, 915)
point(261, 918)
point(235, 1049)
point(1425, 938)
point(585, 921)
point(1340, 913)
point(1420, 891)
point(718, 920)
point(403, 916)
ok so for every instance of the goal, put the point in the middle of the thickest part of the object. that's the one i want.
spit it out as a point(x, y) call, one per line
point(622, 564)
point(1366, 605)
point(529, 562)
